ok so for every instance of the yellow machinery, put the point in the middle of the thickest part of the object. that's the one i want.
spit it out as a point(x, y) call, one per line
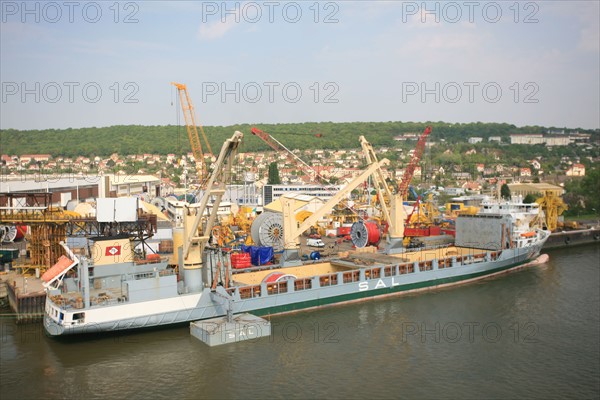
point(190, 122)
point(316, 229)
point(454, 209)
point(430, 208)
point(553, 206)
point(424, 214)
point(223, 235)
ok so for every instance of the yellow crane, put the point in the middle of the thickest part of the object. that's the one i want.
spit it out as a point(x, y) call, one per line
point(190, 123)
point(553, 206)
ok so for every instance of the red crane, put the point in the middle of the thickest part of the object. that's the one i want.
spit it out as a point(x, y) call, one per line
point(277, 146)
point(416, 157)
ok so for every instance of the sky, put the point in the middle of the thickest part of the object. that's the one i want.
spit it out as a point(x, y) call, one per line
point(83, 64)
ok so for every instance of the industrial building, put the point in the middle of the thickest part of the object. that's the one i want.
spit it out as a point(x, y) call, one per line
point(67, 187)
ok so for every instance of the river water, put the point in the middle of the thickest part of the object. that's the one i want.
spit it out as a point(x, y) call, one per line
point(534, 333)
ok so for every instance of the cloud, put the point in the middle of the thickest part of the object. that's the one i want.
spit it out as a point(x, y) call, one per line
point(216, 29)
point(589, 39)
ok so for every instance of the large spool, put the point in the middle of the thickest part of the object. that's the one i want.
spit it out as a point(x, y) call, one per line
point(12, 233)
point(365, 234)
point(267, 230)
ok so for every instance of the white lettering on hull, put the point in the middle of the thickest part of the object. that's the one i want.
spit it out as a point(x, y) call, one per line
point(362, 286)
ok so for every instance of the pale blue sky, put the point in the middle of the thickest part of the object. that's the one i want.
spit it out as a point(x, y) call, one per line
point(373, 59)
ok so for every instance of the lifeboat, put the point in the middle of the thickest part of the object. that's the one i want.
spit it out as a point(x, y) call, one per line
point(63, 264)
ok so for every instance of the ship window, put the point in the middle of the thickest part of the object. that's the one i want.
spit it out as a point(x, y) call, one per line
point(79, 317)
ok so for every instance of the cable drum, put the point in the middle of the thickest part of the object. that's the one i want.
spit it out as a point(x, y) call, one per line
point(267, 230)
point(10, 233)
point(159, 202)
point(364, 234)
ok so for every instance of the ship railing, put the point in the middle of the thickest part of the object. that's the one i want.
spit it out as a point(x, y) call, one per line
point(99, 301)
point(471, 258)
point(144, 261)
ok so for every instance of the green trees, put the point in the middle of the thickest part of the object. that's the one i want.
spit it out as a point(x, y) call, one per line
point(531, 198)
point(136, 139)
point(273, 174)
point(505, 192)
point(582, 193)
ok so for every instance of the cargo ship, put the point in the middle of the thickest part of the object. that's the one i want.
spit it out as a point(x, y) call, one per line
point(107, 296)
point(109, 289)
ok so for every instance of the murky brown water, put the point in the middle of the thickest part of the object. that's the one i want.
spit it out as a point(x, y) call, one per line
point(531, 334)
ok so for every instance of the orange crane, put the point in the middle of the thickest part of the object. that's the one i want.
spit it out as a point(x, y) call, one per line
point(190, 122)
point(277, 146)
point(416, 157)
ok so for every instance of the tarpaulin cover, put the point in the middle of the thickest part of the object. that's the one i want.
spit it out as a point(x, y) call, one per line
point(259, 255)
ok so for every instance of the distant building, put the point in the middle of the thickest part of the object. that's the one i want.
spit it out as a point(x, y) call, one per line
point(407, 136)
point(475, 139)
point(576, 170)
point(461, 176)
point(525, 172)
point(523, 189)
point(472, 187)
point(81, 187)
point(558, 140)
point(548, 140)
point(454, 191)
point(527, 138)
point(580, 137)
point(63, 188)
point(27, 158)
point(495, 139)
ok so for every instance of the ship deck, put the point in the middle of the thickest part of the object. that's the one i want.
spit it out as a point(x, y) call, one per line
point(356, 260)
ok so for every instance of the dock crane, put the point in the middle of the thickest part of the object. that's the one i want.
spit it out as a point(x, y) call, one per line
point(192, 131)
point(394, 215)
point(200, 220)
point(416, 157)
point(278, 146)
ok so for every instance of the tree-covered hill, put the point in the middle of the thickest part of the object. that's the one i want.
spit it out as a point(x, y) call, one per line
point(138, 139)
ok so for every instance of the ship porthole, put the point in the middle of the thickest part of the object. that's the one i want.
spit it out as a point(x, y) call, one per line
point(567, 240)
point(597, 236)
